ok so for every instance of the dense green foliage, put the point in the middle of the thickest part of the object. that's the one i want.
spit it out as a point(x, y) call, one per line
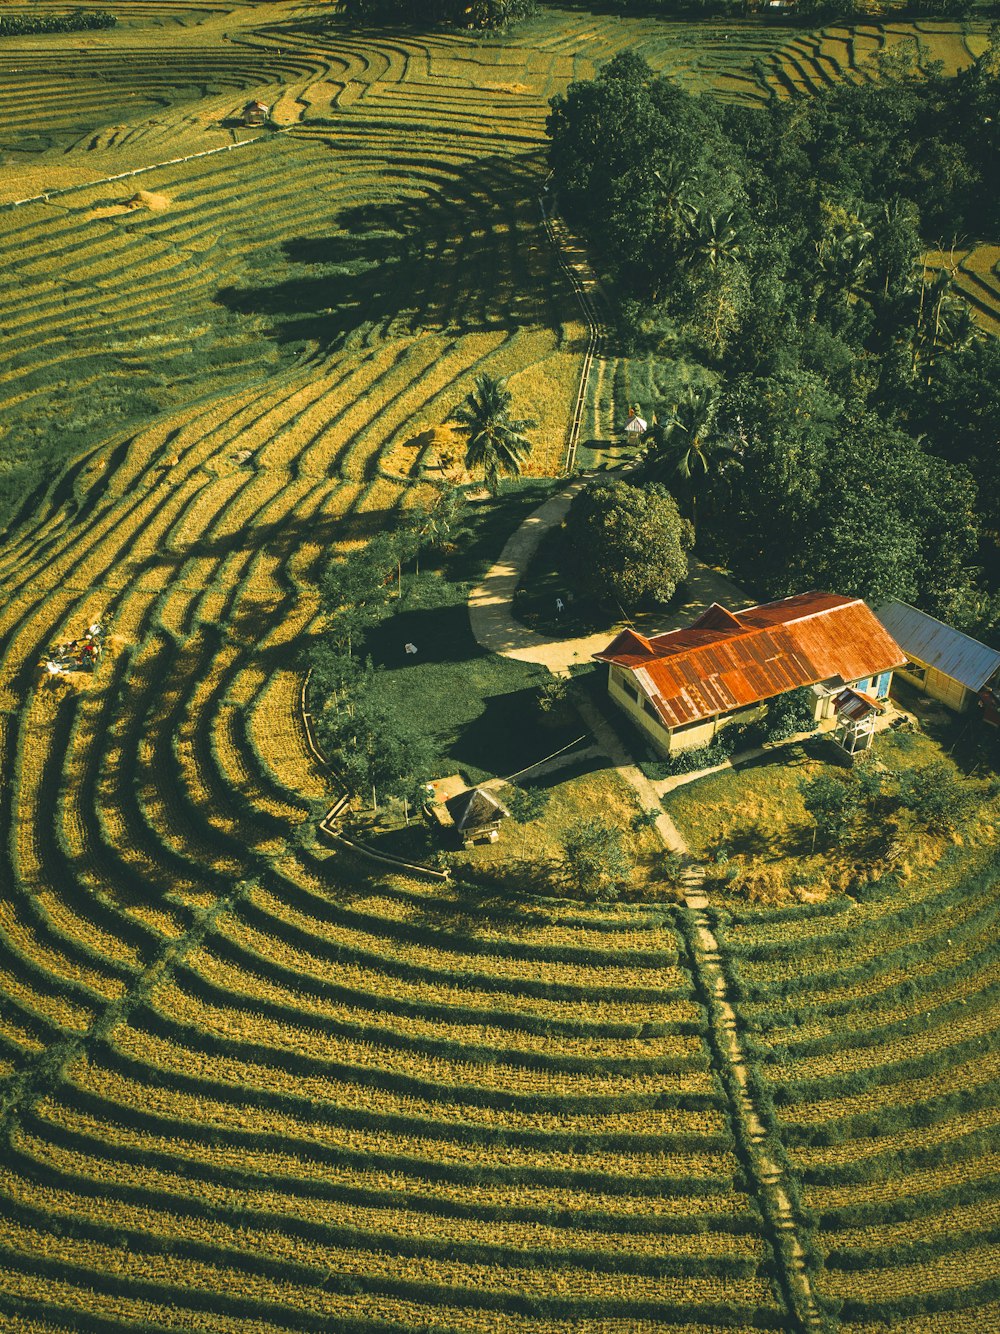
point(847, 442)
point(80, 20)
point(595, 861)
point(426, 13)
point(626, 544)
point(374, 746)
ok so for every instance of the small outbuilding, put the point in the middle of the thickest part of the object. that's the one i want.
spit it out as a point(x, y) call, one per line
point(256, 113)
point(476, 814)
point(942, 663)
point(636, 426)
point(856, 714)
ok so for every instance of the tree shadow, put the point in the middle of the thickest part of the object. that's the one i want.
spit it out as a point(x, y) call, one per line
point(747, 840)
point(447, 260)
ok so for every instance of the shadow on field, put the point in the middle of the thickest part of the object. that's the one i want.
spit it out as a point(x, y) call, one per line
point(470, 257)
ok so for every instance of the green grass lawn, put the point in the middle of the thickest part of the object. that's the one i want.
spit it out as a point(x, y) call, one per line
point(753, 818)
point(480, 710)
point(529, 854)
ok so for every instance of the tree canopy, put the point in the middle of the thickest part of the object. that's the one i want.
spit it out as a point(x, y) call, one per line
point(455, 13)
point(779, 253)
point(627, 544)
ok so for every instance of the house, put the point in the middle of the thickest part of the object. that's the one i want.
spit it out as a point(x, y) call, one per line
point(476, 814)
point(682, 687)
point(256, 113)
point(940, 662)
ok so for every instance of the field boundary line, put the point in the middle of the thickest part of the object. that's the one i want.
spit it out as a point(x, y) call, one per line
point(137, 171)
point(580, 276)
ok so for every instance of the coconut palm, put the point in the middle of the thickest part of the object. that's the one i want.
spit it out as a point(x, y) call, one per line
point(712, 242)
point(943, 321)
point(688, 444)
point(495, 441)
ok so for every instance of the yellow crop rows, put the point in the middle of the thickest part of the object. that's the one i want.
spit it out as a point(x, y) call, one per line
point(246, 1089)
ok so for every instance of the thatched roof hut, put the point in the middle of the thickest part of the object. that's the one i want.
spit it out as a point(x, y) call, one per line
point(476, 813)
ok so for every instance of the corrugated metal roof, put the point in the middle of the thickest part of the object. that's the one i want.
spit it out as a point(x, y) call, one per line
point(728, 660)
point(855, 705)
point(937, 645)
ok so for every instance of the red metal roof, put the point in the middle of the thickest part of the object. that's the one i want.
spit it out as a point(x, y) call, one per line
point(730, 660)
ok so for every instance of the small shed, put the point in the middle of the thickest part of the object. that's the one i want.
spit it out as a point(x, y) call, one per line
point(856, 713)
point(476, 814)
point(636, 426)
point(256, 113)
point(941, 662)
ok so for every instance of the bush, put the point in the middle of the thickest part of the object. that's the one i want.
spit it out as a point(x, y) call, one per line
point(790, 713)
point(595, 860)
point(936, 796)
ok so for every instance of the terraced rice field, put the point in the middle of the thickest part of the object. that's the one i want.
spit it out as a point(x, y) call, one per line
point(811, 61)
point(243, 1085)
point(876, 1030)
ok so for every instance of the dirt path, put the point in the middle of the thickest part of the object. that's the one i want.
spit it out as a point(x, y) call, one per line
point(491, 603)
point(767, 1174)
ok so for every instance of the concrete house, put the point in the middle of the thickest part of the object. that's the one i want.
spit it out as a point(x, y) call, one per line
point(940, 662)
point(682, 687)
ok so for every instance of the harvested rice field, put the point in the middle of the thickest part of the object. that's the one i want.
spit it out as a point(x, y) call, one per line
point(247, 1083)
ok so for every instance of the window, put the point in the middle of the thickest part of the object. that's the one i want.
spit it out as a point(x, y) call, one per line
point(624, 684)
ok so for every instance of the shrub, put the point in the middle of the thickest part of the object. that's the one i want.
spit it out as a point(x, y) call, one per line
point(790, 713)
point(834, 802)
point(595, 861)
point(936, 796)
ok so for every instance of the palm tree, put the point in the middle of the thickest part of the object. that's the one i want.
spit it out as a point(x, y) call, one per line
point(688, 444)
point(943, 321)
point(712, 242)
point(494, 439)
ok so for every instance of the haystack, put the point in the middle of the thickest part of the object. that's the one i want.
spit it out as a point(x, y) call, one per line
point(146, 199)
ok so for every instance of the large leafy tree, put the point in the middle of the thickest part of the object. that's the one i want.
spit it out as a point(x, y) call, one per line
point(495, 440)
point(634, 159)
point(627, 543)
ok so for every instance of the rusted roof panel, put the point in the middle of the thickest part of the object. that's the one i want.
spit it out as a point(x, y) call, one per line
point(743, 658)
point(937, 645)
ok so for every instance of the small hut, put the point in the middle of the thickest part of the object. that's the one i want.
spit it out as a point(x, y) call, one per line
point(635, 427)
point(856, 714)
point(256, 113)
point(476, 815)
